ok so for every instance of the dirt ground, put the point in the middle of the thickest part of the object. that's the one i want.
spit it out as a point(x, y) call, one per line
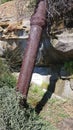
point(59, 113)
point(56, 110)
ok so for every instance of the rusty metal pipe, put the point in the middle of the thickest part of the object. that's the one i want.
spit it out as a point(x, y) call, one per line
point(37, 23)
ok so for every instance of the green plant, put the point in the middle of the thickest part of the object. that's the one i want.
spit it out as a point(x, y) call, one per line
point(3, 1)
point(69, 67)
point(32, 3)
point(14, 117)
point(13, 58)
point(6, 78)
point(35, 94)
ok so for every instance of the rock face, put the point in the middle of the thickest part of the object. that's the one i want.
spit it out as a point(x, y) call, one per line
point(50, 80)
point(59, 49)
point(64, 44)
point(63, 89)
point(15, 30)
point(9, 11)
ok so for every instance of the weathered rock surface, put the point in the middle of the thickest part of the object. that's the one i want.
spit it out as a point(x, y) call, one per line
point(63, 89)
point(13, 31)
point(64, 44)
point(46, 78)
point(65, 41)
point(60, 49)
point(9, 11)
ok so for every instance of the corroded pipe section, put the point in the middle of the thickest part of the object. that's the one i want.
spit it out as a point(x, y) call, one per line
point(37, 23)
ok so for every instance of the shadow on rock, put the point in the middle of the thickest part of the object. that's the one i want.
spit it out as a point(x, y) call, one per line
point(48, 94)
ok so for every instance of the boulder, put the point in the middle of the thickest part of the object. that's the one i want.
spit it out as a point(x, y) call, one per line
point(64, 44)
point(63, 88)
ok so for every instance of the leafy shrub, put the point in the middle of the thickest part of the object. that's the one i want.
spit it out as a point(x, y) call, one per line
point(14, 58)
point(32, 4)
point(37, 91)
point(6, 78)
point(14, 117)
point(69, 67)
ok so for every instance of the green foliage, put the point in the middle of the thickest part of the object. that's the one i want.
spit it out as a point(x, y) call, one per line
point(32, 3)
point(14, 117)
point(6, 78)
point(35, 94)
point(14, 58)
point(3, 1)
point(69, 67)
